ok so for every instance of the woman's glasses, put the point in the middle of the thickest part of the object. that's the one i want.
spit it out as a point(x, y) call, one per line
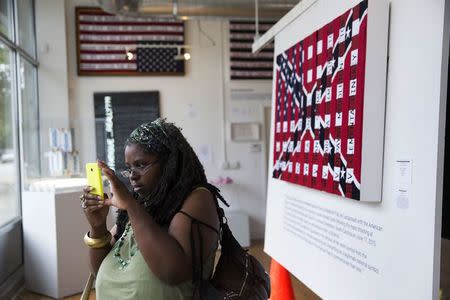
point(139, 170)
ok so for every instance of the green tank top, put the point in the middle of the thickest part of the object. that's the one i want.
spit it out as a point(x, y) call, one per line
point(127, 276)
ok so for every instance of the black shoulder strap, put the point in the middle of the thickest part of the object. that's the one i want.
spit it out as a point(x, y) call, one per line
point(197, 270)
point(198, 221)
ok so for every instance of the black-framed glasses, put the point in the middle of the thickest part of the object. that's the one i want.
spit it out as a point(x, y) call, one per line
point(139, 170)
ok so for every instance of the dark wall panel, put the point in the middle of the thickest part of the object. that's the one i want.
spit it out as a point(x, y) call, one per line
point(129, 109)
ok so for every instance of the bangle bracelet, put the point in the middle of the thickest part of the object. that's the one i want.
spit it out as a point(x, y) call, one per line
point(97, 243)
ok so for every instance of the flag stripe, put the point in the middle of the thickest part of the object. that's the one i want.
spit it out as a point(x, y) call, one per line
point(105, 52)
point(252, 30)
point(244, 74)
point(248, 27)
point(102, 57)
point(248, 46)
point(253, 60)
point(128, 23)
point(260, 55)
point(129, 32)
point(120, 60)
point(242, 36)
point(129, 28)
point(107, 18)
point(111, 39)
point(251, 64)
point(250, 69)
point(110, 66)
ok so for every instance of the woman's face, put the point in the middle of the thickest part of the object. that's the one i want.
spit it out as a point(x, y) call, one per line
point(145, 169)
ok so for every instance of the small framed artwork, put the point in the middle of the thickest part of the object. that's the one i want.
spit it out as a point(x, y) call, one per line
point(242, 132)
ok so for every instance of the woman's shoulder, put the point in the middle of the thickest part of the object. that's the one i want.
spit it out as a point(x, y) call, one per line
point(201, 204)
point(198, 200)
point(201, 188)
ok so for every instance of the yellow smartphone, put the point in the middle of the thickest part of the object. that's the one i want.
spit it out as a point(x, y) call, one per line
point(94, 178)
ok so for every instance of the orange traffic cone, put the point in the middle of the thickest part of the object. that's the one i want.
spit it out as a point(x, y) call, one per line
point(280, 282)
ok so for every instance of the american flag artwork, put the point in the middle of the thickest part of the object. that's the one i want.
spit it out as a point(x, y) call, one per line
point(243, 63)
point(319, 100)
point(103, 40)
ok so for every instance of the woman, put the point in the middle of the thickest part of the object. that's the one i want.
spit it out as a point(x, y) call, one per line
point(166, 234)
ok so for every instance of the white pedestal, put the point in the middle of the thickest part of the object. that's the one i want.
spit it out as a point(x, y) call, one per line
point(239, 225)
point(55, 257)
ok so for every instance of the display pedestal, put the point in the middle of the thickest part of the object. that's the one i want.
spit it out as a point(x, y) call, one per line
point(239, 225)
point(55, 257)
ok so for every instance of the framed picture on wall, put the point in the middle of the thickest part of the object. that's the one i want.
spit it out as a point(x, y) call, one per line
point(245, 65)
point(329, 106)
point(116, 115)
point(118, 45)
point(244, 132)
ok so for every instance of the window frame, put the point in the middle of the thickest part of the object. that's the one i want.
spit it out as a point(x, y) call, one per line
point(19, 53)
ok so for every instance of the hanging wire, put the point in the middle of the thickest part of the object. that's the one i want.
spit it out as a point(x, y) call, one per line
point(200, 29)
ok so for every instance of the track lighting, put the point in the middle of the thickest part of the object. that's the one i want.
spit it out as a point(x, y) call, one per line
point(182, 56)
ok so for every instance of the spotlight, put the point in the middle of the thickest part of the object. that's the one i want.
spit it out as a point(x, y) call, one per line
point(129, 55)
point(182, 56)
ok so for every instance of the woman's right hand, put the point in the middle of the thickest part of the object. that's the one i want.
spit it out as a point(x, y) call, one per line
point(94, 210)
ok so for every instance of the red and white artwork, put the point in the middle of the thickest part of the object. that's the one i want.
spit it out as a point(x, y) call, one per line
point(319, 105)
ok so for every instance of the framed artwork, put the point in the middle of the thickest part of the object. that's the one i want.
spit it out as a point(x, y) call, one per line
point(118, 45)
point(325, 110)
point(243, 132)
point(243, 63)
point(116, 115)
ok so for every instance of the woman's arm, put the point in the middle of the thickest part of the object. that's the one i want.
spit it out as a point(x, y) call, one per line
point(96, 256)
point(168, 253)
point(96, 214)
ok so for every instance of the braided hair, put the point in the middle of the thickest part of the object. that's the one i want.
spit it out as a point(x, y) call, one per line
point(182, 172)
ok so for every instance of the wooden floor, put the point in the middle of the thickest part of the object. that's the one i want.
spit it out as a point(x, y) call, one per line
point(300, 290)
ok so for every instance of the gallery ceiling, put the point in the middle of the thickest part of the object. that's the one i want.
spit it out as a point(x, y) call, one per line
point(189, 9)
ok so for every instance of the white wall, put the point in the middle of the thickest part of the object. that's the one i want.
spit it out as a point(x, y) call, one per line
point(194, 101)
point(52, 71)
point(407, 248)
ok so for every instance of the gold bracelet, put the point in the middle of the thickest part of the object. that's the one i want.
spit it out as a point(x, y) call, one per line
point(97, 243)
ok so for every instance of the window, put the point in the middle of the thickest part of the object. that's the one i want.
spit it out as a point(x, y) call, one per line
point(19, 110)
point(9, 179)
point(29, 121)
point(6, 18)
point(26, 31)
point(19, 119)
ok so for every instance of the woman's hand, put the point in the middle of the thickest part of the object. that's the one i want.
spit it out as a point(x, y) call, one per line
point(94, 208)
point(120, 196)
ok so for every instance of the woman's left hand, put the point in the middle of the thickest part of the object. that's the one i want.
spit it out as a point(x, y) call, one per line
point(120, 197)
